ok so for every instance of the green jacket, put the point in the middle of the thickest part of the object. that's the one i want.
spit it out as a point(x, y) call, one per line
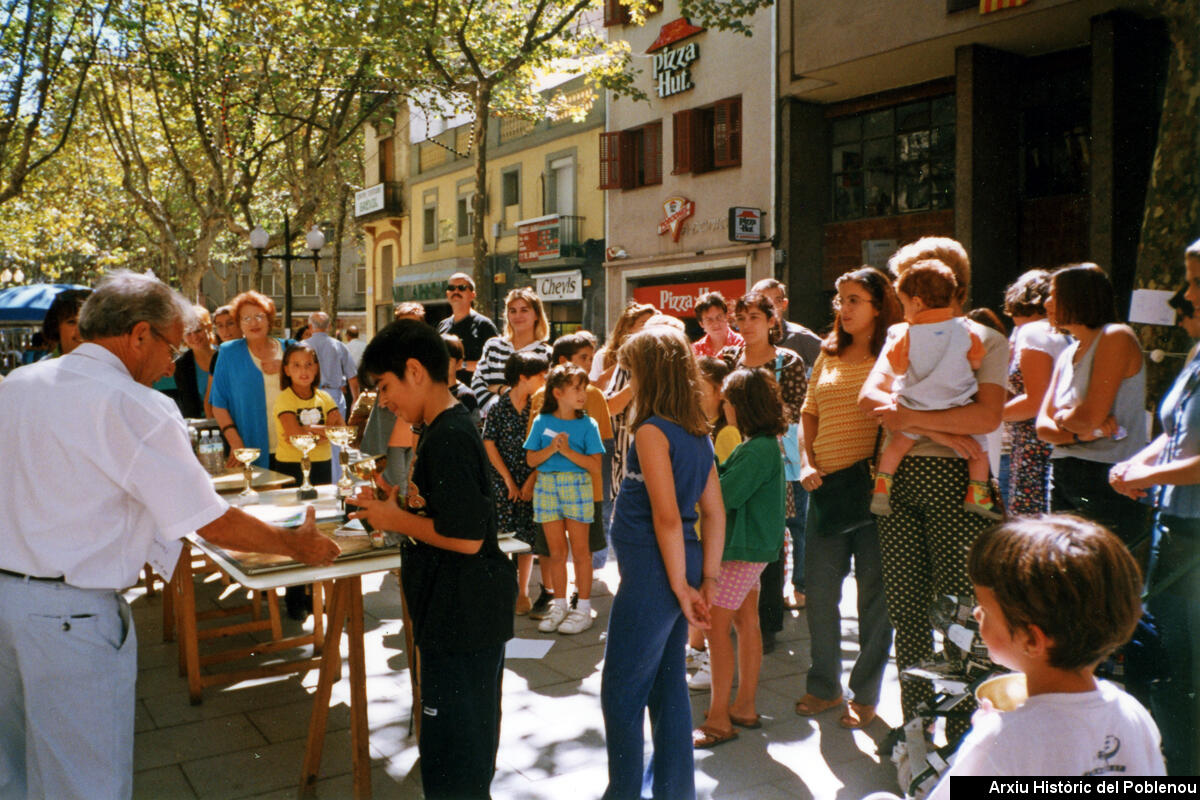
point(753, 487)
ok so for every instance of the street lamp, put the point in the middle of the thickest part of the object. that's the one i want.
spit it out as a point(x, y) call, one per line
point(8, 276)
point(314, 240)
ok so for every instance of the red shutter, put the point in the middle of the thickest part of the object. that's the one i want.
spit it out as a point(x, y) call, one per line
point(610, 160)
point(727, 133)
point(615, 13)
point(681, 135)
point(652, 154)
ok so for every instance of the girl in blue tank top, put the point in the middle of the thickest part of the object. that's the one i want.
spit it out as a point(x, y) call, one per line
point(668, 574)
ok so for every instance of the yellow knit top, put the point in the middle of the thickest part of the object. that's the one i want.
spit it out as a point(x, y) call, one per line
point(844, 433)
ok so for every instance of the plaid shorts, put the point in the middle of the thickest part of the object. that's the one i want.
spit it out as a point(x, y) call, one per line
point(562, 495)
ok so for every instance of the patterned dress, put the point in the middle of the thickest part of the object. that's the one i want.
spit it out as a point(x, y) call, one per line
point(1029, 456)
point(506, 427)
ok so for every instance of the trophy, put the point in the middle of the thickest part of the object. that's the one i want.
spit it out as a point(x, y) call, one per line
point(305, 442)
point(342, 436)
point(247, 455)
point(364, 469)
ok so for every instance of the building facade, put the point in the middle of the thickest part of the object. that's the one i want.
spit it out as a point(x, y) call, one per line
point(1026, 133)
point(544, 220)
point(688, 176)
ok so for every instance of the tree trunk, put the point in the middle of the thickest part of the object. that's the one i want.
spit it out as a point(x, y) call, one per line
point(1172, 216)
point(484, 287)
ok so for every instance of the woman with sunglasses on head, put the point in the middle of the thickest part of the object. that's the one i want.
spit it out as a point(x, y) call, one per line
point(246, 381)
point(525, 329)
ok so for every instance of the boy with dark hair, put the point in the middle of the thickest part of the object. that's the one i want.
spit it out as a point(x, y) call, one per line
point(454, 347)
point(1056, 595)
point(460, 589)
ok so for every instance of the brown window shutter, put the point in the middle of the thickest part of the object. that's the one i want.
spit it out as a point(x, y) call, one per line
point(628, 171)
point(615, 13)
point(652, 166)
point(610, 160)
point(727, 133)
point(681, 135)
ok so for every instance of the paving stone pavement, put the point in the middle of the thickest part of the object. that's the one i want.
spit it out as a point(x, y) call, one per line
point(247, 740)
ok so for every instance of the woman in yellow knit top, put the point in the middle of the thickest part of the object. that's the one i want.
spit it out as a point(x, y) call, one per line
point(838, 440)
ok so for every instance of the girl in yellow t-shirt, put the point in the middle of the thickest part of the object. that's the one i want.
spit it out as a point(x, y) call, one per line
point(303, 408)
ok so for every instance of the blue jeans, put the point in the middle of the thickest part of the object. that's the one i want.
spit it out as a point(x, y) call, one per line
point(1175, 606)
point(644, 668)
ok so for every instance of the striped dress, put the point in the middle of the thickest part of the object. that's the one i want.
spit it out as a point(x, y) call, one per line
point(490, 369)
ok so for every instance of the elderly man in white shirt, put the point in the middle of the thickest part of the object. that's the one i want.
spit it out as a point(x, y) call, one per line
point(337, 365)
point(99, 478)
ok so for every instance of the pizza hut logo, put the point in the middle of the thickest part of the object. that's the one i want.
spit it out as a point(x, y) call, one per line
point(675, 211)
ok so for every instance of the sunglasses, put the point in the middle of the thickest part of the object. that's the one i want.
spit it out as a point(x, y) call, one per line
point(458, 287)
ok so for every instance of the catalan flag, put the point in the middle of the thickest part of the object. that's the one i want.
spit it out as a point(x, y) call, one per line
point(988, 6)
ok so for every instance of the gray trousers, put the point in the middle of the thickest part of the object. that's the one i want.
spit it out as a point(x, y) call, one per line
point(68, 668)
point(827, 563)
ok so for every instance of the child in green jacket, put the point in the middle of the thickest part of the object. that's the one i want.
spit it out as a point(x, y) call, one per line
point(753, 487)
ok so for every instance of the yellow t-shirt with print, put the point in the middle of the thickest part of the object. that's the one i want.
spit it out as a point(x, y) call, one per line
point(313, 411)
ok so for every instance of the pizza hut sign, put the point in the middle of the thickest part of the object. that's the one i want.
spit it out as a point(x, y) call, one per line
point(675, 211)
point(679, 299)
point(671, 66)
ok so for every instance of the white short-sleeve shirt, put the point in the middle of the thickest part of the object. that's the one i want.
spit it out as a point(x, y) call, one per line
point(99, 476)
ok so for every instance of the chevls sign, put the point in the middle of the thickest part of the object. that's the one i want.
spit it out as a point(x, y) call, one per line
point(671, 67)
point(553, 286)
point(679, 299)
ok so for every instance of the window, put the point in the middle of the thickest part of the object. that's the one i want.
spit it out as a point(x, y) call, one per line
point(387, 162)
point(304, 284)
point(360, 279)
point(560, 188)
point(708, 138)
point(510, 187)
point(466, 220)
point(615, 13)
point(1055, 130)
point(632, 158)
point(429, 227)
point(894, 160)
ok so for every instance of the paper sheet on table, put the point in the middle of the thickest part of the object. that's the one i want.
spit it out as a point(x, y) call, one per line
point(527, 648)
point(1150, 307)
point(292, 516)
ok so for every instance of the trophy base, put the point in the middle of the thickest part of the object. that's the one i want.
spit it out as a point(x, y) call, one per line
point(306, 494)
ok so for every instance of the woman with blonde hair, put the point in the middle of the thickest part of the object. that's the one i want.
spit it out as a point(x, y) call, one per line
point(525, 329)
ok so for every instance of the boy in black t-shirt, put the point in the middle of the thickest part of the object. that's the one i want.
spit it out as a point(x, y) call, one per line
point(459, 588)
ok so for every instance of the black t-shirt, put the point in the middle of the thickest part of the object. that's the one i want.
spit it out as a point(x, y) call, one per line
point(474, 329)
point(458, 602)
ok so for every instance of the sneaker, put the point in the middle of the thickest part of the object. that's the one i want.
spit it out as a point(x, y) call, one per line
point(702, 679)
point(554, 617)
point(576, 622)
point(541, 605)
point(696, 658)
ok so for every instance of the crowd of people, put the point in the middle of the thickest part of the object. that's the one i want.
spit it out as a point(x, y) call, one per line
point(711, 469)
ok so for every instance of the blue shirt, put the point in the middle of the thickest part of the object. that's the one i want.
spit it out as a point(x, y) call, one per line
point(691, 463)
point(237, 387)
point(1180, 416)
point(583, 435)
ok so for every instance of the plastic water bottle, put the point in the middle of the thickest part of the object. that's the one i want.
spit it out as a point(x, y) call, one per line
point(210, 452)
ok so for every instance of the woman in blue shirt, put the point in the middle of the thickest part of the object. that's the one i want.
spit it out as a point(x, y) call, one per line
point(1168, 469)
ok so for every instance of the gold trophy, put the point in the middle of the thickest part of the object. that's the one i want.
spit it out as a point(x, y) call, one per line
point(305, 443)
point(364, 469)
point(342, 436)
point(247, 455)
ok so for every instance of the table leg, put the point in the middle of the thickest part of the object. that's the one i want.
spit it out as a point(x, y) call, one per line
point(188, 644)
point(359, 729)
point(330, 673)
point(168, 609)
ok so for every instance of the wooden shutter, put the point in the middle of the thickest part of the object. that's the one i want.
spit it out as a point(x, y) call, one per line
point(610, 160)
point(681, 141)
point(631, 143)
point(727, 133)
point(615, 13)
point(652, 154)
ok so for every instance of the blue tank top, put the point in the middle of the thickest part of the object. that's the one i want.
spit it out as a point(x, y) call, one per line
point(691, 463)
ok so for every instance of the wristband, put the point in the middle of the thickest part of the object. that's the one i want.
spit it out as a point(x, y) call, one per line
point(226, 428)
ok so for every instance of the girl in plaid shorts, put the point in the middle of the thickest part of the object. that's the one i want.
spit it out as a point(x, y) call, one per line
point(564, 445)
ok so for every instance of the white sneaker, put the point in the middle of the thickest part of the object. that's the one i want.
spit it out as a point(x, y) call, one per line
point(554, 617)
point(702, 679)
point(696, 658)
point(576, 622)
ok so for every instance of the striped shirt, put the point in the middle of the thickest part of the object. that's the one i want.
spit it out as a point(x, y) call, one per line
point(844, 433)
point(490, 369)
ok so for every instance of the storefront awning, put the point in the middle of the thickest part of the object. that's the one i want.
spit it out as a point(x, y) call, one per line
point(427, 282)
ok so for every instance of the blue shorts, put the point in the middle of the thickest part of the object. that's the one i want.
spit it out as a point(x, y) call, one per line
point(563, 495)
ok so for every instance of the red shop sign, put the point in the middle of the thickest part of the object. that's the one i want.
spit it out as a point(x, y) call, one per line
point(679, 299)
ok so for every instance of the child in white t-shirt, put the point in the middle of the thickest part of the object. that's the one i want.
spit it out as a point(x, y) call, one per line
point(1056, 595)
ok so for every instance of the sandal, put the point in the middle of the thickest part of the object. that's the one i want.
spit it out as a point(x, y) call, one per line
point(810, 705)
point(857, 716)
point(705, 737)
point(749, 723)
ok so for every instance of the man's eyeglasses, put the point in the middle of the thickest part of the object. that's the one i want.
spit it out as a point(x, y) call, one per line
point(176, 350)
point(458, 287)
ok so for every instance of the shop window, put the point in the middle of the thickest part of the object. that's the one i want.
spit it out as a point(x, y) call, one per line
point(631, 158)
point(708, 138)
point(894, 160)
point(1055, 131)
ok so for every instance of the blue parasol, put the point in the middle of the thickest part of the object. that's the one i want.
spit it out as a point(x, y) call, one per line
point(28, 304)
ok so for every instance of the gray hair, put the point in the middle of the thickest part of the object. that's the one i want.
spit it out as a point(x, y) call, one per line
point(319, 320)
point(1193, 250)
point(124, 298)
